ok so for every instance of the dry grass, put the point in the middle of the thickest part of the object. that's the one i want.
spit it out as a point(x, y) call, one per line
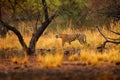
point(10, 42)
point(88, 53)
point(20, 60)
point(51, 60)
point(74, 57)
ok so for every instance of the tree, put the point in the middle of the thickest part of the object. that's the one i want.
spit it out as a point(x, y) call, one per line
point(47, 20)
point(72, 10)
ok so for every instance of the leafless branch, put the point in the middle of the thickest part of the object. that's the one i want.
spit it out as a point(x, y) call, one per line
point(107, 40)
point(115, 32)
point(38, 16)
point(101, 33)
point(18, 34)
point(114, 39)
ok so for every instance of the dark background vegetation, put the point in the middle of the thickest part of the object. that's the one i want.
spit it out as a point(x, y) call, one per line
point(79, 13)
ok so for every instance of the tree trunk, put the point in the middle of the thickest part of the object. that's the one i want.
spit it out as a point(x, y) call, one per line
point(35, 37)
point(38, 33)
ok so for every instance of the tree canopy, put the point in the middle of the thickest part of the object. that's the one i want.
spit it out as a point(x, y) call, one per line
point(79, 11)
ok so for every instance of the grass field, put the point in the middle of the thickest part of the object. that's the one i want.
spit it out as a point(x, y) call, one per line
point(88, 53)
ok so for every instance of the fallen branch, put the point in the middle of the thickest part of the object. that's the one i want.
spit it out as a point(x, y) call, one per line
point(107, 40)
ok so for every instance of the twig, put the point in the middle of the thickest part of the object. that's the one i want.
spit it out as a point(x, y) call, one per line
point(114, 32)
point(102, 33)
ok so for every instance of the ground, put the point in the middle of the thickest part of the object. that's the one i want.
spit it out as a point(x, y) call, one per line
point(68, 70)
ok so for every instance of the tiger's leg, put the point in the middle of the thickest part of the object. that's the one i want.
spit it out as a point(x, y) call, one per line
point(63, 42)
point(82, 39)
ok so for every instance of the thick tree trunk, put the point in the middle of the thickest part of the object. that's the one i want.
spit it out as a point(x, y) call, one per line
point(38, 33)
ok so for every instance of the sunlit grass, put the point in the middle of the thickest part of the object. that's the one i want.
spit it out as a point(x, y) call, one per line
point(20, 60)
point(10, 42)
point(74, 57)
point(89, 57)
point(114, 56)
point(51, 60)
point(48, 42)
point(88, 53)
point(92, 57)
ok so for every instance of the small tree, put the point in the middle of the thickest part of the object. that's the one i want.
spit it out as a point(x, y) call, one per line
point(31, 48)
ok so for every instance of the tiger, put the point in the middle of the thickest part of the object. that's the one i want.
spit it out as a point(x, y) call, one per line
point(72, 37)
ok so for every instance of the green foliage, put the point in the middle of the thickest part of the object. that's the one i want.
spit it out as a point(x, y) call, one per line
point(72, 10)
point(77, 12)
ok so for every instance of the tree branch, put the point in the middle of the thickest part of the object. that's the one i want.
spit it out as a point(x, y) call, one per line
point(101, 33)
point(107, 40)
point(45, 9)
point(114, 32)
point(41, 29)
point(38, 16)
point(38, 33)
point(18, 34)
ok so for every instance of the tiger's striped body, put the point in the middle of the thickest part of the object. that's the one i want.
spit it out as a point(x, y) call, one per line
point(72, 37)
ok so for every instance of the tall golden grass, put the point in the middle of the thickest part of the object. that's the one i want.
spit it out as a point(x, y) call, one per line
point(51, 60)
point(88, 53)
